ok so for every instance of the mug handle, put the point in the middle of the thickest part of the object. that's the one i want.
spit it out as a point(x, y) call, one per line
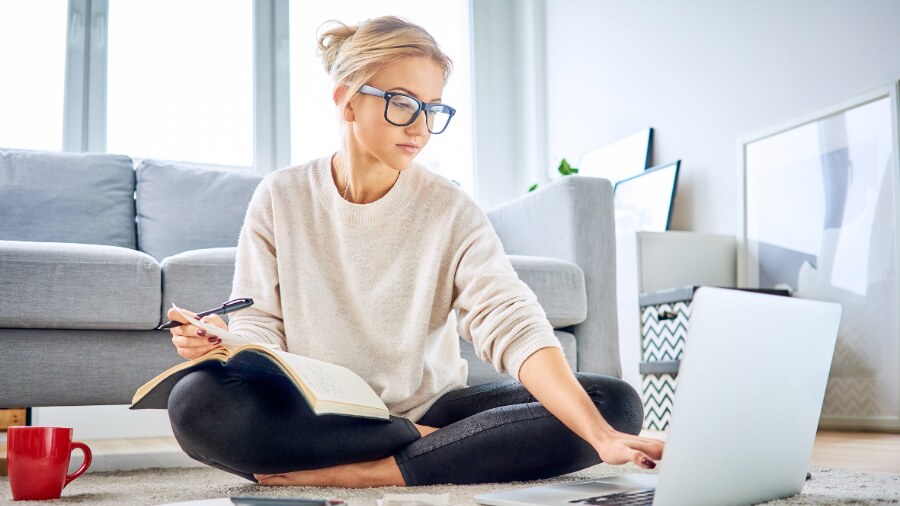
point(84, 465)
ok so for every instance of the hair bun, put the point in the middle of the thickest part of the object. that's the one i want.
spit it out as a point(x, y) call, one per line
point(331, 40)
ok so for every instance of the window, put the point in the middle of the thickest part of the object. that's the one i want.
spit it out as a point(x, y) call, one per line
point(314, 128)
point(33, 59)
point(174, 80)
point(180, 80)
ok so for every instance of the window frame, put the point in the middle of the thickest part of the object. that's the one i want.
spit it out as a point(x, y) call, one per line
point(84, 105)
point(85, 102)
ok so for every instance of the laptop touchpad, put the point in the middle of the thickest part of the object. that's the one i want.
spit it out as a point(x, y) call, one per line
point(613, 484)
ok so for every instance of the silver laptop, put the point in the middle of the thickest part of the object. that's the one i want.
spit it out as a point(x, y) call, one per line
point(746, 408)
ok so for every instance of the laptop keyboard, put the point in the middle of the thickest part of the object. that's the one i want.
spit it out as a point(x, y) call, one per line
point(642, 497)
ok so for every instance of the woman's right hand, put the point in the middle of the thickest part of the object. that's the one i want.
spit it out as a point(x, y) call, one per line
point(190, 340)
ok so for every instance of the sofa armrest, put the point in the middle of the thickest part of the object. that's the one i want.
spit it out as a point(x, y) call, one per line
point(572, 219)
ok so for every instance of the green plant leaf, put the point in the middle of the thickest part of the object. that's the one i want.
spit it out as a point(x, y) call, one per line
point(574, 170)
point(564, 168)
point(533, 187)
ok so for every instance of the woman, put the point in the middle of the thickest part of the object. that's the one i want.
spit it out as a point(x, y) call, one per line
point(368, 260)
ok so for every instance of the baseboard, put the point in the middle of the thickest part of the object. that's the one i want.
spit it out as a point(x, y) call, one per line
point(125, 455)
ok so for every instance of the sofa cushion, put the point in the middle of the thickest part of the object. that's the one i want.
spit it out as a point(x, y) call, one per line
point(182, 208)
point(558, 285)
point(67, 197)
point(197, 280)
point(52, 285)
point(482, 372)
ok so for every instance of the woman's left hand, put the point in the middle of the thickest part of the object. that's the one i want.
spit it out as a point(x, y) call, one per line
point(618, 448)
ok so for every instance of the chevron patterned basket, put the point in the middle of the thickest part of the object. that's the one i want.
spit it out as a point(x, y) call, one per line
point(664, 323)
point(657, 390)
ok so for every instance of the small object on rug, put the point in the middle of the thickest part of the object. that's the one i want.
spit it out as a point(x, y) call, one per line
point(282, 501)
point(259, 501)
point(414, 500)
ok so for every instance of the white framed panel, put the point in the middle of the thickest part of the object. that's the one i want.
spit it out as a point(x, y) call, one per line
point(818, 214)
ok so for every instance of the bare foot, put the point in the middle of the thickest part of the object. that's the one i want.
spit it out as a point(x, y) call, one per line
point(375, 473)
point(425, 430)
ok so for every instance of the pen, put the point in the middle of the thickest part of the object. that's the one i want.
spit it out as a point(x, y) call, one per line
point(227, 307)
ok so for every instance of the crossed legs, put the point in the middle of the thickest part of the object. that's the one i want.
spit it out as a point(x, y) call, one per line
point(262, 430)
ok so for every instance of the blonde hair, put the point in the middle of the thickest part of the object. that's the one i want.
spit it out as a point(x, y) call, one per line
point(353, 54)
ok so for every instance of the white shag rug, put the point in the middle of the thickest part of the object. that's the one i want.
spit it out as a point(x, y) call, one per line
point(159, 486)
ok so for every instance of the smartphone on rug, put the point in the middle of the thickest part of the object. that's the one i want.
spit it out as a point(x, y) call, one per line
point(282, 501)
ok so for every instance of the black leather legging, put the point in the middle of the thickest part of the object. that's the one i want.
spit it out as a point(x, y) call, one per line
point(494, 432)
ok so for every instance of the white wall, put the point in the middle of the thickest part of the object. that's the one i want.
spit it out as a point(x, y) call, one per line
point(105, 422)
point(702, 73)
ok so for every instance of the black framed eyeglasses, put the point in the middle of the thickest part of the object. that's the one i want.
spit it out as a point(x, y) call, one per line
point(401, 109)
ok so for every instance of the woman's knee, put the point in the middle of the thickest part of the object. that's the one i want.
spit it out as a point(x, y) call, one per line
point(617, 401)
point(202, 403)
point(189, 400)
point(215, 417)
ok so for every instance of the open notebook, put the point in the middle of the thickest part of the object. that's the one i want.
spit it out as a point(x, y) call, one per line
point(327, 388)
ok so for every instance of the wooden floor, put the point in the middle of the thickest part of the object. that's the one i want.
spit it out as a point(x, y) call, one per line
point(858, 451)
point(853, 451)
point(850, 451)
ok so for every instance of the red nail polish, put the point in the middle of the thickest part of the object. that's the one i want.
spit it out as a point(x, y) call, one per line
point(649, 463)
point(201, 332)
point(213, 339)
point(196, 317)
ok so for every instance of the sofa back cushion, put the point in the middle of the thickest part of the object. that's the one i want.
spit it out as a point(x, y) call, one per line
point(67, 197)
point(182, 208)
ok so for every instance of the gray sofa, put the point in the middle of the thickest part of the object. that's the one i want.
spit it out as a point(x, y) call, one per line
point(93, 250)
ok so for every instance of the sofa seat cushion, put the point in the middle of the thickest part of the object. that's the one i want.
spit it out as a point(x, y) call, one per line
point(197, 280)
point(67, 197)
point(182, 208)
point(482, 372)
point(53, 285)
point(558, 285)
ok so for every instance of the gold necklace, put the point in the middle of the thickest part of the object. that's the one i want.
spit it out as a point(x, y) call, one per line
point(346, 180)
point(346, 185)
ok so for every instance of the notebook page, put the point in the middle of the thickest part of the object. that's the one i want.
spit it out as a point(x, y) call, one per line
point(332, 382)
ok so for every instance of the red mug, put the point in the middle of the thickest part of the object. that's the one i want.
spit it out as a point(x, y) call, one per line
point(38, 459)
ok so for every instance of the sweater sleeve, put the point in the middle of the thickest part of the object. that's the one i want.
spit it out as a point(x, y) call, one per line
point(497, 312)
point(256, 274)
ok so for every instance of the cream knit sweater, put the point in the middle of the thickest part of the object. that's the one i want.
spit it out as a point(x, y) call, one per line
point(383, 288)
